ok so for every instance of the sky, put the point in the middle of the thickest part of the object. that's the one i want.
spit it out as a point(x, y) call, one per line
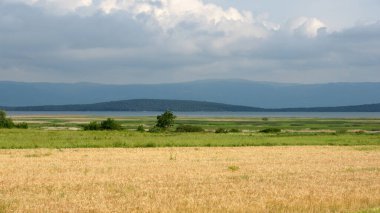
point(161, 41)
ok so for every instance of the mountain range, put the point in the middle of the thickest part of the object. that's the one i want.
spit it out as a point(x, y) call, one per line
point(184, 106)
point(233, 92)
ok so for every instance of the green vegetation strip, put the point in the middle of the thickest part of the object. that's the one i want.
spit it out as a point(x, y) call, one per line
point(25, 139)
point(215, 123)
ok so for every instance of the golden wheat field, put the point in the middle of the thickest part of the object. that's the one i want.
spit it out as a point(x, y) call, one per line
point(257, 179)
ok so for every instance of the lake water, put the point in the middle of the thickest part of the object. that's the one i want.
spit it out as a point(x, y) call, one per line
point(211, 114)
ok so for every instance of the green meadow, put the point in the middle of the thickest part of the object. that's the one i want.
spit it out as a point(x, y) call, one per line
point(212, 123)
point(66, 132)
point(23, 139)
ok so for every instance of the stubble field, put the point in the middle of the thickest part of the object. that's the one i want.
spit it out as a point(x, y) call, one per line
point(242, 179)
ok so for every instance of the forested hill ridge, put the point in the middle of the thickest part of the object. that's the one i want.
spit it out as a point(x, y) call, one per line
point(235, 92)
point(184, 106)
point(141, 105)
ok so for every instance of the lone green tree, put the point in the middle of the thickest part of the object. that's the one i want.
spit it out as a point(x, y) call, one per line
point(165, 120)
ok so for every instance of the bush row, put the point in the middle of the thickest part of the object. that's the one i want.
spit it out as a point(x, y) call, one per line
point(109, 124)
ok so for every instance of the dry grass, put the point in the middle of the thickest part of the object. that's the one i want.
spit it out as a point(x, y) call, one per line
point(263, 179)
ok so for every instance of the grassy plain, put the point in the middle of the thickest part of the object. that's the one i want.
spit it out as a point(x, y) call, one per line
point(212, 123)
point(295, 131)
point(24, 139)
point(203, 179)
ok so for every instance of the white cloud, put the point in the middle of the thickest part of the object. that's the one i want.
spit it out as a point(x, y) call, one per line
point(191, 25)
point(306, 26)
point(227, 26)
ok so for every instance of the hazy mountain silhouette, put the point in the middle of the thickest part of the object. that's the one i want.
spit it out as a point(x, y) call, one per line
point(184, 106)
point(236, 92)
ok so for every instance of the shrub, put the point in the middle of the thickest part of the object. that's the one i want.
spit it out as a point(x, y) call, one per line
point(270, 130)
point(3, 115)
point(165, 120)
point(8, 123)
point(156, 129)
point(22, 125)
point(221, 130)
point(234, 130)
point(5, 122)
point(189, 128)
point(92, 126)
point(110, 124)
point(140, 128)
point(265, 119)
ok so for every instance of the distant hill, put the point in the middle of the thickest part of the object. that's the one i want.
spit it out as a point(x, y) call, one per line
point(235, 92)
point(357, 108)
point(141, 105)
point(184, 106)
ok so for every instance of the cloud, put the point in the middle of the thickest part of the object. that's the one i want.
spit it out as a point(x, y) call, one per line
point(171, 16)
point(306, 26)
point(130, 41)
